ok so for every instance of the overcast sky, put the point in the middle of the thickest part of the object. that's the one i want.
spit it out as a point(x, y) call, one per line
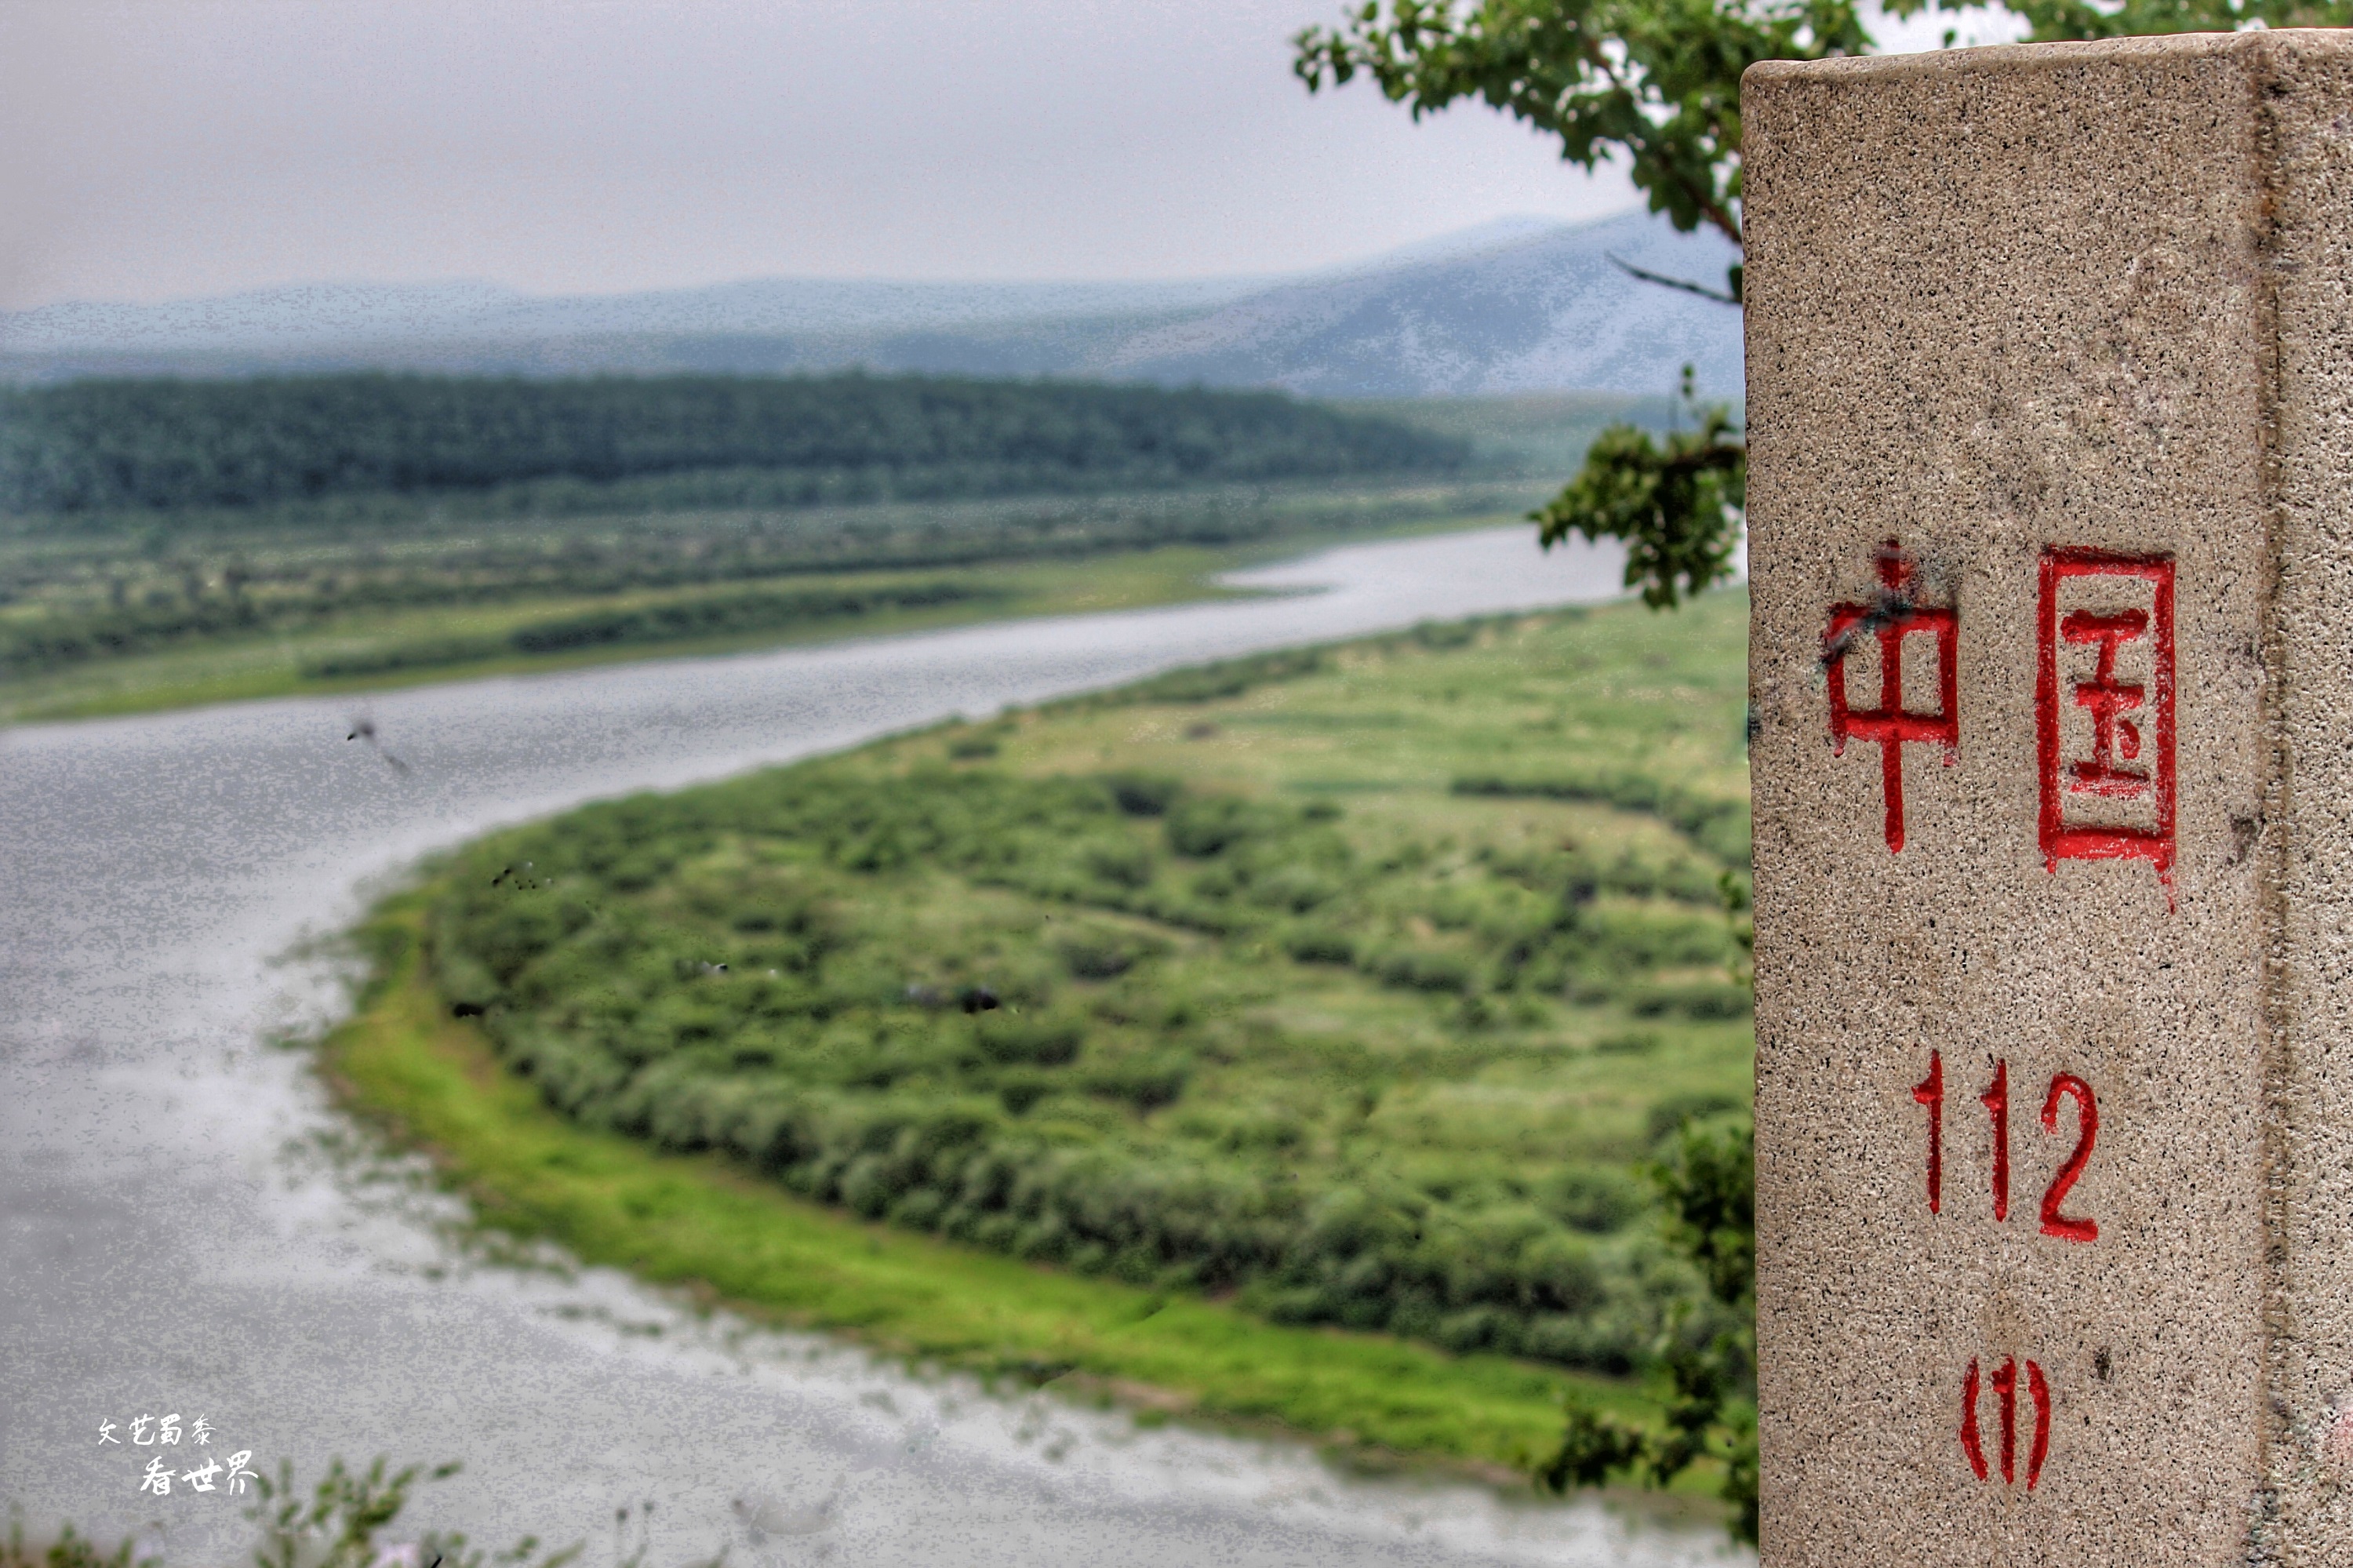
point(159, 149)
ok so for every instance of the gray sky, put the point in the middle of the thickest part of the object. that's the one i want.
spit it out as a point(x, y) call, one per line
point(165, 148)
point(159, 149)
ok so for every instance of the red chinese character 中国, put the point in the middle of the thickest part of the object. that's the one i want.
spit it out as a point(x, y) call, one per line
point(1891, 619)
point(2109, 794)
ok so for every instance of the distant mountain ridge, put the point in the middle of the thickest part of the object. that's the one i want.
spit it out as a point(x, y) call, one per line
point(1516, 306)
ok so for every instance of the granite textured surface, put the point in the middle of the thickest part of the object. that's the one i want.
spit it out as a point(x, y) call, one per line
point(2072, 326)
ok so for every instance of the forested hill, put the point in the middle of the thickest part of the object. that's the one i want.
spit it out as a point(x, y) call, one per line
point(96, 445)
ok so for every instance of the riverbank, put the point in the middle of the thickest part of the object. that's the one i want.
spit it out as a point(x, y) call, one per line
point(1297, 1040)
point(702, 1223)
point(432, 645)
point(310, 1316)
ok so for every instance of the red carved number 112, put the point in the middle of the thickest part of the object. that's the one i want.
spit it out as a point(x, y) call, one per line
point(1930, 1092)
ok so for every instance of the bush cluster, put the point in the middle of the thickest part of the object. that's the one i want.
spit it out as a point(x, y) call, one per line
point(998, 1008)
point(1722, 825)
point(143, 582)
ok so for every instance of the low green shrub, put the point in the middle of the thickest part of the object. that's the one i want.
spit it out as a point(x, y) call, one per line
point(1196, 1035)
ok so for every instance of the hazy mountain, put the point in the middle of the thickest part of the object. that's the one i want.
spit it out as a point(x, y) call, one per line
point(1543, 312)
point(1518, 305)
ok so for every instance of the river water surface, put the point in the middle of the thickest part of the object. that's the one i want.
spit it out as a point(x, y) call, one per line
point(185, 1227)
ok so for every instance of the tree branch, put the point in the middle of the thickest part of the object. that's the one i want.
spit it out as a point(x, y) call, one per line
point(1703, 200)
point(1701, 289)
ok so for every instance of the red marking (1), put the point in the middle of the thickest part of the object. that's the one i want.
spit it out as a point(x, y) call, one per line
point(1893, 619)
point(2005, 1384)
point(1996, 1101)
point(2039, 1392)
point(2087, 1121)
point(1930, 1092)
point(1971, 1443)
point(2116, 739)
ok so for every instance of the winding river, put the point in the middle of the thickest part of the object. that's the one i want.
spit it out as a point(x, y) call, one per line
point(186, 1226)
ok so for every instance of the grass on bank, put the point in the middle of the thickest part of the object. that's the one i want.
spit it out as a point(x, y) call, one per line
point(496, 619)
point(702, 1221)
point(1517, 828)
point(145, 609)
point(430, 645)
point(1189, 983)
point(239, 669)
point(448, 643)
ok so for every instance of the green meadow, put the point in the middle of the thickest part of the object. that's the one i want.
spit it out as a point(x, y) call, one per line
point(1281, 1042)
point(194, 566)
point(90, 628)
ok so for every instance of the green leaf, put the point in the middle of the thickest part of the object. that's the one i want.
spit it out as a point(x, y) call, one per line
point(1675, 505)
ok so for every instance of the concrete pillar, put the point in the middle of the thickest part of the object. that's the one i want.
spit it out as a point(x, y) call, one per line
point(2050, 422)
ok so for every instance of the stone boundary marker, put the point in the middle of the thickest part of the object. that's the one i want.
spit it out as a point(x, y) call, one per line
point(2050, 417)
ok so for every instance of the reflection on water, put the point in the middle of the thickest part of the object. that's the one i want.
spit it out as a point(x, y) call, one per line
point(184, 1227)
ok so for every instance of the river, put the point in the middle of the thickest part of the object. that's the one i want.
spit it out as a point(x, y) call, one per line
point(186, 1228)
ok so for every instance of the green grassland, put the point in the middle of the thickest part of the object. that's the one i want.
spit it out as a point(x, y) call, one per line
point(1278, 1041)
point(171, 616)
point(456, 641)
point(120, 608)
point(706, 1222)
